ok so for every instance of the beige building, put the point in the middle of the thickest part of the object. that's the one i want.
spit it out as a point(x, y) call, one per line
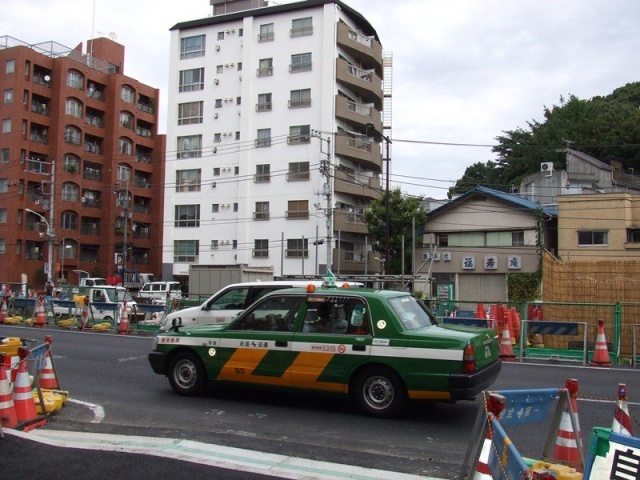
point(599, 226)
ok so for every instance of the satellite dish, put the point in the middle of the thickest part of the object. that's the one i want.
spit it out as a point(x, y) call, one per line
point(113, 36)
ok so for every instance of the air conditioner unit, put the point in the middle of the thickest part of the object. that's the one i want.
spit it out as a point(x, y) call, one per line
point(213, 185)
point(547, 167)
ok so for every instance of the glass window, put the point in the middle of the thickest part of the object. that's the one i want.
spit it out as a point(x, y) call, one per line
point(72, 135)
point(69, 221)
point(124, 173)
point(337, 316)
point(300, 98)
point(411, 313)
point(593, 237)
point(70, 192)
point(127, 94)
point(264, 102)
point(300, 62)
point(298, 209)
point(190, 113)
point(266, 33)
point(3, 215)
point(263, 173)
point(187, 216)
point(73, 107)
point(6, 125)
point(191, 80)
point(4, 155)
point(273, 314)
point(261, 248)
point(301, 27)
point(188, 180)
point(190, 146)
point(299, 134)
point(298, 171)
point(215, 207)
point(191, 47)
point(297, 248)
point(10, 66)
point(186, 251)
point(8, 95)
point(265, 67)
point(75, 79)
point(126, 120)
point(125, 146)
point(264, 137)
point(262, 211)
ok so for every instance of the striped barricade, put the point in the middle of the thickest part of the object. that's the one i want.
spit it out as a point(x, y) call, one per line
point(549, 327)
point(467, 322)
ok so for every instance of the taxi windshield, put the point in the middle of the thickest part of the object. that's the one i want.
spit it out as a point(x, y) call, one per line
point(411, 313)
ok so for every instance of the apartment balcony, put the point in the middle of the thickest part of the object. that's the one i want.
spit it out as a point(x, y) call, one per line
point(359, 150)
point(367, 50)
point(349, 222)
point(357, 114)
point(365, 83)
point(353, 262)
point(357, 185)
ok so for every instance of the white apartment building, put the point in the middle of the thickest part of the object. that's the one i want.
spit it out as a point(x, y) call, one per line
point(268, 159)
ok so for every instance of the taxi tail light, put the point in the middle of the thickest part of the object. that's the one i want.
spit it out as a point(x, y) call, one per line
point(469, 359)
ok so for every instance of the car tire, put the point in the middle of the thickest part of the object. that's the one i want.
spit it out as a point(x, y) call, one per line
point(187, 374)
point(379, 392)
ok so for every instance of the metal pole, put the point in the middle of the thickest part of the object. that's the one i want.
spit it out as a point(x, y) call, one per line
point(387, 219)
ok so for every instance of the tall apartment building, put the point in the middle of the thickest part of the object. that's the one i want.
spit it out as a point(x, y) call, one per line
point(269, 159)
point(81, 177)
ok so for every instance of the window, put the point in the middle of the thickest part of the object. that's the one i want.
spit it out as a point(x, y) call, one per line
point(71, 163)
point(346, 316)
point(215, 208)
point(73, 107)
point(124, 173)
point(297, 209)
point(216, 171)
point(261, 248)
point(263, 173)
point(264, 102)
point(125, 146)
point(517, 238)
point(300, 62)
point(126, 120)
point(218, 103)
point(264, 137)
point(299, 134)
point(3, 215)
point(190, 146)
point(266, 33)
point(4, 155)
point(69, 221)
point(235, 206)
point(241, 32)
point(296, 247)
point(185, 251)
point(234, 244)
point(187, 216)
point(262, 211)
point(237, 135)
point(263, 318)
point(72, 135)
point(220, 35)
point(236, 170)
point(633, 235)
point(127, 94)
point(214, 244)
point(191, 80)
point(8, 95)
point(300, 98)
point(219, 68)
point(217, 137)
point(6, 125)
point(593, 237)
point(238, 100)
point(3, 245)
point(298, 171)
point(75, 79)
point(191, 47)
point(265, 67)
point(10, 66)
point(301, 27)
point(70, 192)
point(4, 185)
point(239, 66)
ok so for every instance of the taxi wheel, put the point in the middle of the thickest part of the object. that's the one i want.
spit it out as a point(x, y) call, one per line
point(379, 392)
point(186, 374)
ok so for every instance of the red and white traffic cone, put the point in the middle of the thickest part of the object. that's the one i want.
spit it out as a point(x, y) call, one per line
point(41, 316)
point(566, 448)
point(23, 397)
point(47, 377)
point(601, 352)
point(3, 310)
point(506, 348)
point(8, 416)
point(621, 417)
point(123, 328)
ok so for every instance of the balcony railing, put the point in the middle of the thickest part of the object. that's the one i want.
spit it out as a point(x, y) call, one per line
point(261, 215)
point(90, 229)
point(265, 72)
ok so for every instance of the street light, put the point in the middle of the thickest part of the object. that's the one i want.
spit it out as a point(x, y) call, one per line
point(371, 128)
point(51, 237)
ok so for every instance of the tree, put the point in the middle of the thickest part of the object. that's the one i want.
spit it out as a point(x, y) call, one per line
point(402, 210)
point(603, 127)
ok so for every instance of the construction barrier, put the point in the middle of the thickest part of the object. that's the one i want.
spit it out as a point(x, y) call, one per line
point(612, 456)
point(546, 327)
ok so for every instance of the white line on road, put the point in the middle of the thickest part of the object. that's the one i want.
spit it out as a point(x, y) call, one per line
point(215, 455)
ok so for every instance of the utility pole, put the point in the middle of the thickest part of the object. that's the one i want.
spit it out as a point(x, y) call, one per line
point(325, 171)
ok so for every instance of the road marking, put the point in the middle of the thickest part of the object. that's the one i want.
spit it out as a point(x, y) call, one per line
point(98, 410)
point(230, 458)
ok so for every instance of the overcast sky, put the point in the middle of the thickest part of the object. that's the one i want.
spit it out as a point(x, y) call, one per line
point(463, 70)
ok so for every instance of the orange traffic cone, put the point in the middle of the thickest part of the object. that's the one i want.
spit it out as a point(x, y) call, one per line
point(480, 311)
point(11, 367)
point(47, 377)
point(506, 348)
point(3, 310)
point(41, 316)
point(566, 447)
point(601, 352)
point(23, 397)
point(123, 328)
point(8, 417)
point(621, 418)
point(483, 470)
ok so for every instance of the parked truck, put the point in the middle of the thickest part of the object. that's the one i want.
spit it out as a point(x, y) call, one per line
point(207, 279)
point(106, 301)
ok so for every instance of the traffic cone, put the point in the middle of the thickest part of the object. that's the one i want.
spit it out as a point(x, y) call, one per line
point(483, 470)
point(47, 377)
point(506, 348)
point(23, 398)
point(3, 310)
point(566, 447)
point(123, 328)
point(41, 316)
point(84, 317)
point(8, 417)
point(480, 311)
point(621, 418)
point(601, 352)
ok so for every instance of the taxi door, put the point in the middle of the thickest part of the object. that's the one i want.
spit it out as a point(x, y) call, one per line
point(333, 339)
point(256, 348)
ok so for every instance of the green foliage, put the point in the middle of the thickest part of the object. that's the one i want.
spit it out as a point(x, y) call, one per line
point(402, 209)
point(524, 287)
point(603, 127)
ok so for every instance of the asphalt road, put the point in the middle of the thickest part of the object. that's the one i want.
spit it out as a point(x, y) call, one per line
point(113, 391)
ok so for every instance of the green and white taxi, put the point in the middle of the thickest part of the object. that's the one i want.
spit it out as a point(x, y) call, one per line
point(380, 347)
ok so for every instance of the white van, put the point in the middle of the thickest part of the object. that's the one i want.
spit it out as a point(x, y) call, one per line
point(223, 306)
point(160, 291)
